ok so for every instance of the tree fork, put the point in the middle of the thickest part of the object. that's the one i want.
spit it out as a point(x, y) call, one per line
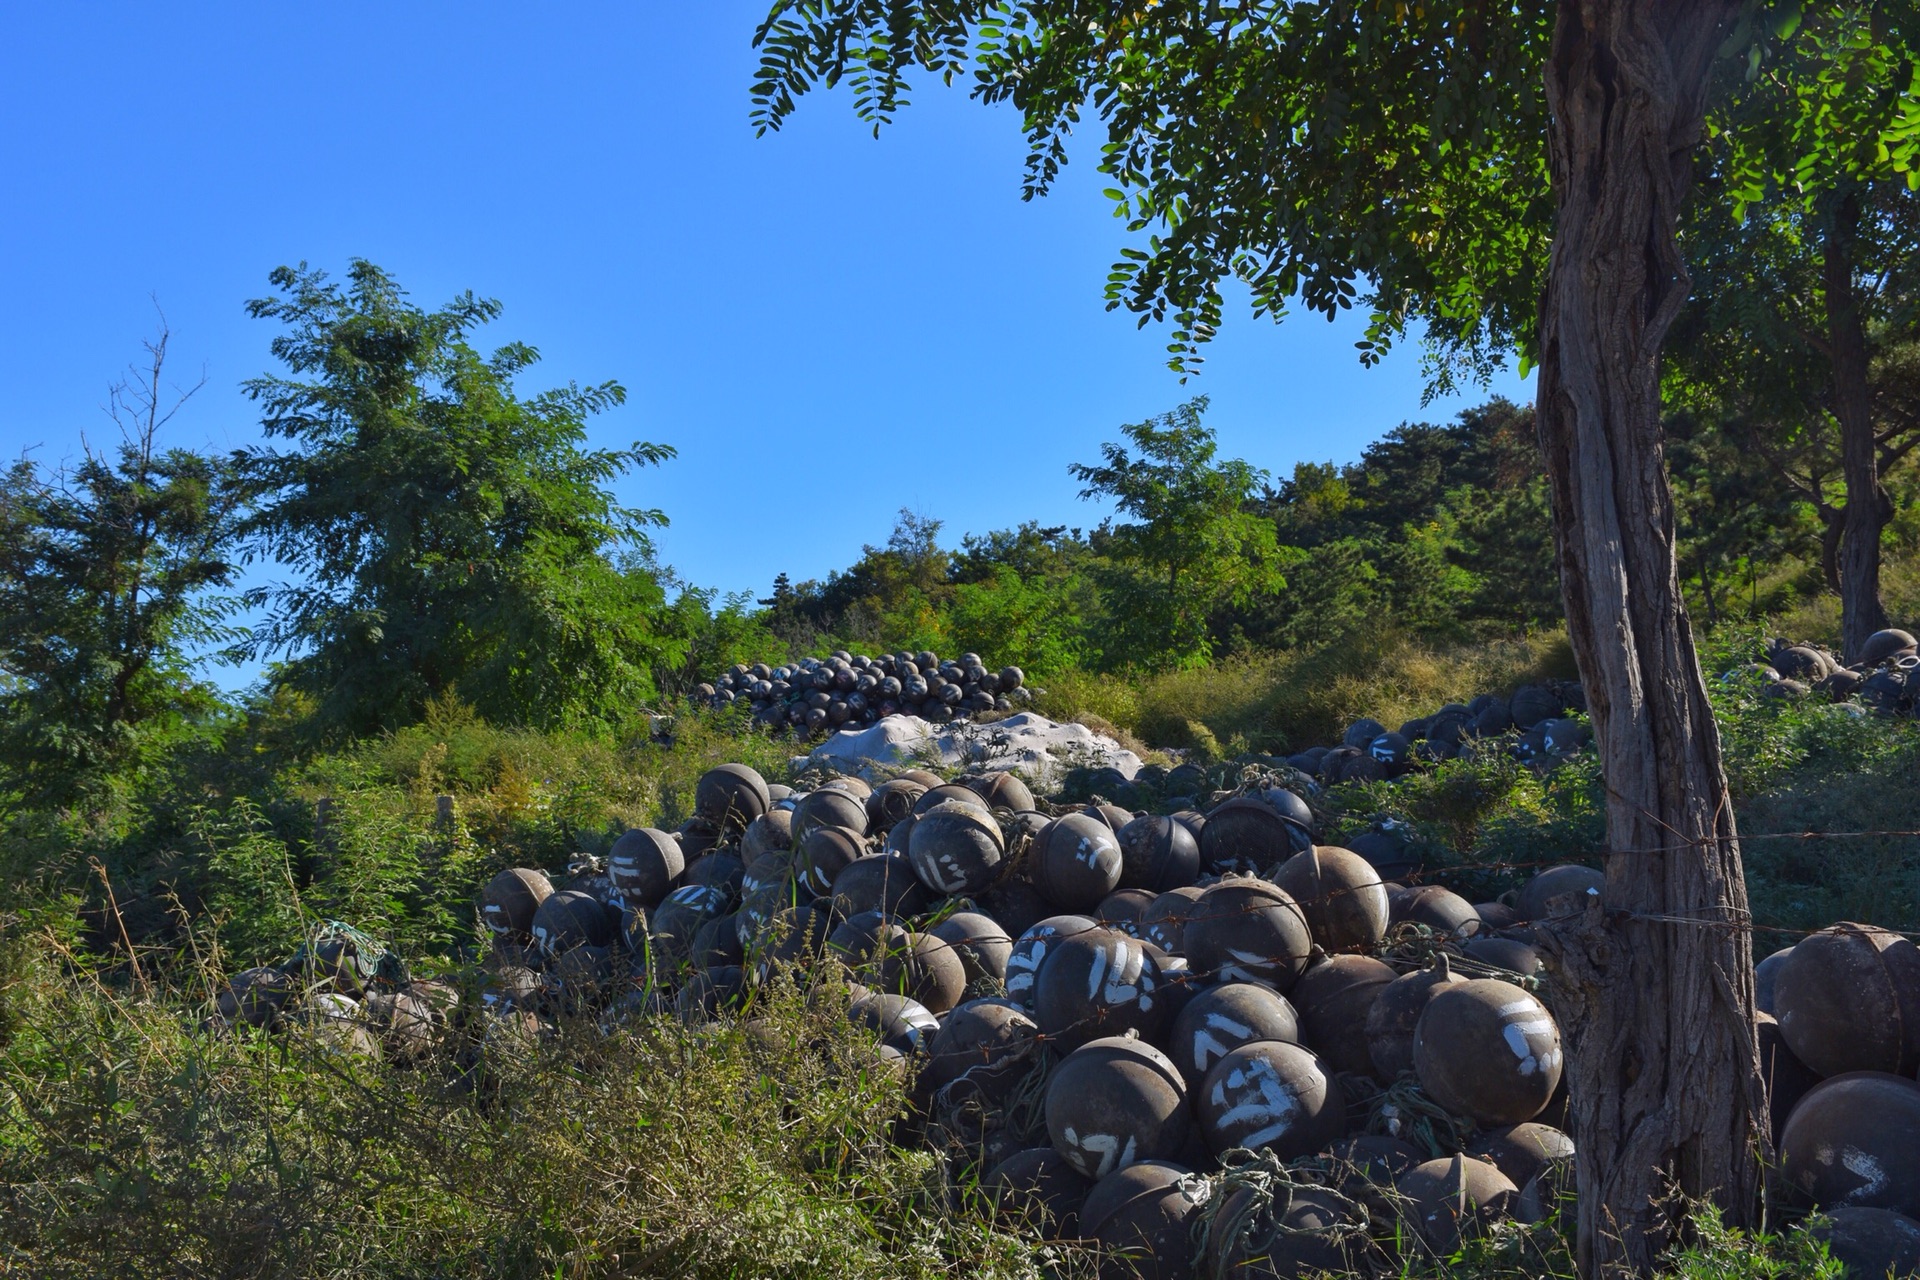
point(1663, 1063)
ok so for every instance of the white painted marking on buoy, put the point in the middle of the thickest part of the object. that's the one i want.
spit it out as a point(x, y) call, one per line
point(1221, 1022)
point(1867, 1168)
point(1096, 972)
point(1206, 1048)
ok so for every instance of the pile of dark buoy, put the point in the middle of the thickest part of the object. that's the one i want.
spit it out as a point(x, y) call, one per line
point(1840, 1047)
point(1538, 724)
point(1884, 676)
point(1147, 1030)
point(845, 690)
point(1102, 1009)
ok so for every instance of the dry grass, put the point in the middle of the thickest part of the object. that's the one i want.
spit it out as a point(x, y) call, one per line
point(1287, 701)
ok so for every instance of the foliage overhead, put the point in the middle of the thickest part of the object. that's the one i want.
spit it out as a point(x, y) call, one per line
point(449, 535)
point(1377, 153)
point(1310, 151)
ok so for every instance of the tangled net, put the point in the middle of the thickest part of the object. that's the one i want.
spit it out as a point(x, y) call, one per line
point(1230, 1226)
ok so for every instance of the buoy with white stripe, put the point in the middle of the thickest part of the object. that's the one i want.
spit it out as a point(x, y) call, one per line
point(1098, 982)
point(1076, 862)
point(1271, 1095)
point(1248, 930)
point(956, 849)
point(1489, 1051)
point(1221, 1019)
point(1115, 1102)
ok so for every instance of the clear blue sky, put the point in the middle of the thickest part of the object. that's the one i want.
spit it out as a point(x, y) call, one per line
point(827, 327)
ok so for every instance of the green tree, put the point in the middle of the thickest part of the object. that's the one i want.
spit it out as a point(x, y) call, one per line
point(1509, 176)
point(1194, 544)
point(450, 537)
point(1451, 522)
point(112, 580)
point(1804, 271)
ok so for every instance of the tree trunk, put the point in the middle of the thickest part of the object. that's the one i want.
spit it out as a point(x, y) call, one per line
point(1655, 990)
point(1833, 529)
point(1706, 589)
point(1861, 613)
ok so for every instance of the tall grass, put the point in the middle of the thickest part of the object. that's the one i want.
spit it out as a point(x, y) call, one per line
point(134, 1144)
point(1283, 702)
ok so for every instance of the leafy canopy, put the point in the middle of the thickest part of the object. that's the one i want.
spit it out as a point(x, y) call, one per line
point(1194, 543)
point(1309, 150)
point(1337, 152)
point(450, 537)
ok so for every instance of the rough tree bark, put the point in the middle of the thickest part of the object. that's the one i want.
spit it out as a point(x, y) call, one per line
point(1663, 1066)
point(1867, 510)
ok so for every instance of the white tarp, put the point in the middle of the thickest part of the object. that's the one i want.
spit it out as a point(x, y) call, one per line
point(1037, 748)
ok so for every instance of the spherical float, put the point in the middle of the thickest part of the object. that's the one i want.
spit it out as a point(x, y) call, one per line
point(1157, 854)
point(1765, 974)
point(771, 832)
point(1248, 930)
point(955, 849)
point(1787, 1078)
point(1244, 834)
point(1113, 1102)
point(1038, 1190)
point(925, 968)
point(1268, 1094)
point(1030, 952)
point(1221, 1019)
point(508, 903)
point(1139, 1218)
point(827, 807)
point(1454, 1199)
point(730, 796)
point(1854, 1142)
point(901, 1024)
point(1123, 908)
point(1514, 956)
point(1441, 910)
point(1535, 901)
point(1002, 790)
point(1164, 922)
point(1097, 983)
point(1076, 862)
point(892, 801)
point(569, 919)
point(1342, 895)
point(982, 945)
point(1523, 1151)
point(1487, 1050)
point(988, 1042)
point(1848, 999)
point(1299, 1233)
point(878, 882)
point(1875, 1243)
point(1334, 999)
point(949, 793)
